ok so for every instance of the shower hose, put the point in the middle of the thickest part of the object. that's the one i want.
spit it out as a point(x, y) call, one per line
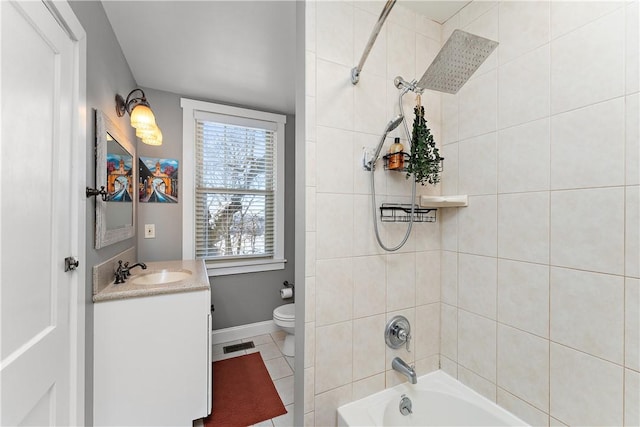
point(413, 192)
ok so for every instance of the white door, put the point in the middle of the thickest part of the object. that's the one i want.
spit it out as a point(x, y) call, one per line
point(39, 214)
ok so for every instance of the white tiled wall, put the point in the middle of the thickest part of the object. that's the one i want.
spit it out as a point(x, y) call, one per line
point(540, 274)
point(353, 286)
point(531, 294)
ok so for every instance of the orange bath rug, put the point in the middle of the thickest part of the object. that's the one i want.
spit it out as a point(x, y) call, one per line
point(243, 393)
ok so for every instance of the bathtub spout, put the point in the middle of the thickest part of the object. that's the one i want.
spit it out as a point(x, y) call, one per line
point(406, 370)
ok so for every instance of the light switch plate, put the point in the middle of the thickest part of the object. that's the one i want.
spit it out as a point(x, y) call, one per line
point(149, 231)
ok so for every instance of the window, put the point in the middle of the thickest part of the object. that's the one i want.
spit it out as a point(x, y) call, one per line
point(233, 207)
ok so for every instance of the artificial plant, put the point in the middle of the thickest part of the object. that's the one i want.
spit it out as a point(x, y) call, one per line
point(424, 162)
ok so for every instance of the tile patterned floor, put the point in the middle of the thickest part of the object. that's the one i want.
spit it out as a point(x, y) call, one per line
point(280, 368)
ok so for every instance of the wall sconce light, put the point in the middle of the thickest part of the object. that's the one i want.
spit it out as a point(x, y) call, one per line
point(142, 118)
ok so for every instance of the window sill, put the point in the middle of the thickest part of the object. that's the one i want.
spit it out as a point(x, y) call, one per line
point(240, 267)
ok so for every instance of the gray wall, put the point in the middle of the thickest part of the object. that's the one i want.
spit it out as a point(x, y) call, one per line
point(107, 74)
point(239, 299)
point(167, 217)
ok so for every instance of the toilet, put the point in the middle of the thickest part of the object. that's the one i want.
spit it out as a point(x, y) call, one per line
point(284, 317)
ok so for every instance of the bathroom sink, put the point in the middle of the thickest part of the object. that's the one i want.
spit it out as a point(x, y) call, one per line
point(161, 277)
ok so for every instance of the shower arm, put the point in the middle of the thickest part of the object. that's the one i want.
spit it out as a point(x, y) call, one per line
point(355, 71)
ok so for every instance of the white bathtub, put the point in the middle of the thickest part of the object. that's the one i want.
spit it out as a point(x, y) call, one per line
point(437, 400)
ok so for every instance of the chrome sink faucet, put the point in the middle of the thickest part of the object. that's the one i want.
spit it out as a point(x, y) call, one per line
point(123, 271)
point(408, 371)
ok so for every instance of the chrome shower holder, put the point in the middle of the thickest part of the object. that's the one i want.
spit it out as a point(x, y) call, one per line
point(405, 86)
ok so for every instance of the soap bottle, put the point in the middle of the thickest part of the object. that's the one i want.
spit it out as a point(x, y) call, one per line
point(396, 155)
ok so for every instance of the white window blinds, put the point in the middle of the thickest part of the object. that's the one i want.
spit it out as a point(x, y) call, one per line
point(235, 187)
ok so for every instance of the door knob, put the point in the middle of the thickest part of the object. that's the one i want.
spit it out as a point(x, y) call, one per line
point(71, 263)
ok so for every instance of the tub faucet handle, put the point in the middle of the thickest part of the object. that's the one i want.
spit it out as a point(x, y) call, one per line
point(407, 338)
point(398, 332)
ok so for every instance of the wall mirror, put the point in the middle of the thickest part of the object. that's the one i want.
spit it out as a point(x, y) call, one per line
point(115, 217)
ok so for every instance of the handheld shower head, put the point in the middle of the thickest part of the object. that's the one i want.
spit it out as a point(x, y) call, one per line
point(393, 124)
point(390, 126)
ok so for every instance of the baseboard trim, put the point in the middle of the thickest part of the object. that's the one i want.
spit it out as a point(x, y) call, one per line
point(220, 336)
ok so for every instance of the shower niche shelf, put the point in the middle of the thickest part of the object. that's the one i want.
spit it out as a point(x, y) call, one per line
point(434, 202)
point(398, 212)
point(387, 159)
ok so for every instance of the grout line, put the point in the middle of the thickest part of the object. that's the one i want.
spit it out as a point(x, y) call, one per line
point(591, 21)
point(624, 216)
point(624, 343)
point(600, 358)
point(457, 236)
point(544, 264)
point(523, 400)
point(549, 218)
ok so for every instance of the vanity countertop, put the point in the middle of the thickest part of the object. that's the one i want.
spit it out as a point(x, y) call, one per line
point(198, 280)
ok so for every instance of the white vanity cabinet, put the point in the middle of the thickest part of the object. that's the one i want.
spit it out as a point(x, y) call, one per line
point(152, 360)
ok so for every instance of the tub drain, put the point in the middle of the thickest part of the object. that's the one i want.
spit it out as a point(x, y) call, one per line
point(405, 405)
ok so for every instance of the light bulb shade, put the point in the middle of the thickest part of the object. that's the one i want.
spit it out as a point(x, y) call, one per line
point(142, 117)
point(153, 138)
point(143, 132)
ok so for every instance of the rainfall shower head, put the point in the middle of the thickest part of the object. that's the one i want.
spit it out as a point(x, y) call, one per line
point(458, 59)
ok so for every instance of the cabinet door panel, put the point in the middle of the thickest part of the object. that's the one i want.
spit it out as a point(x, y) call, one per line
point(151, 360)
